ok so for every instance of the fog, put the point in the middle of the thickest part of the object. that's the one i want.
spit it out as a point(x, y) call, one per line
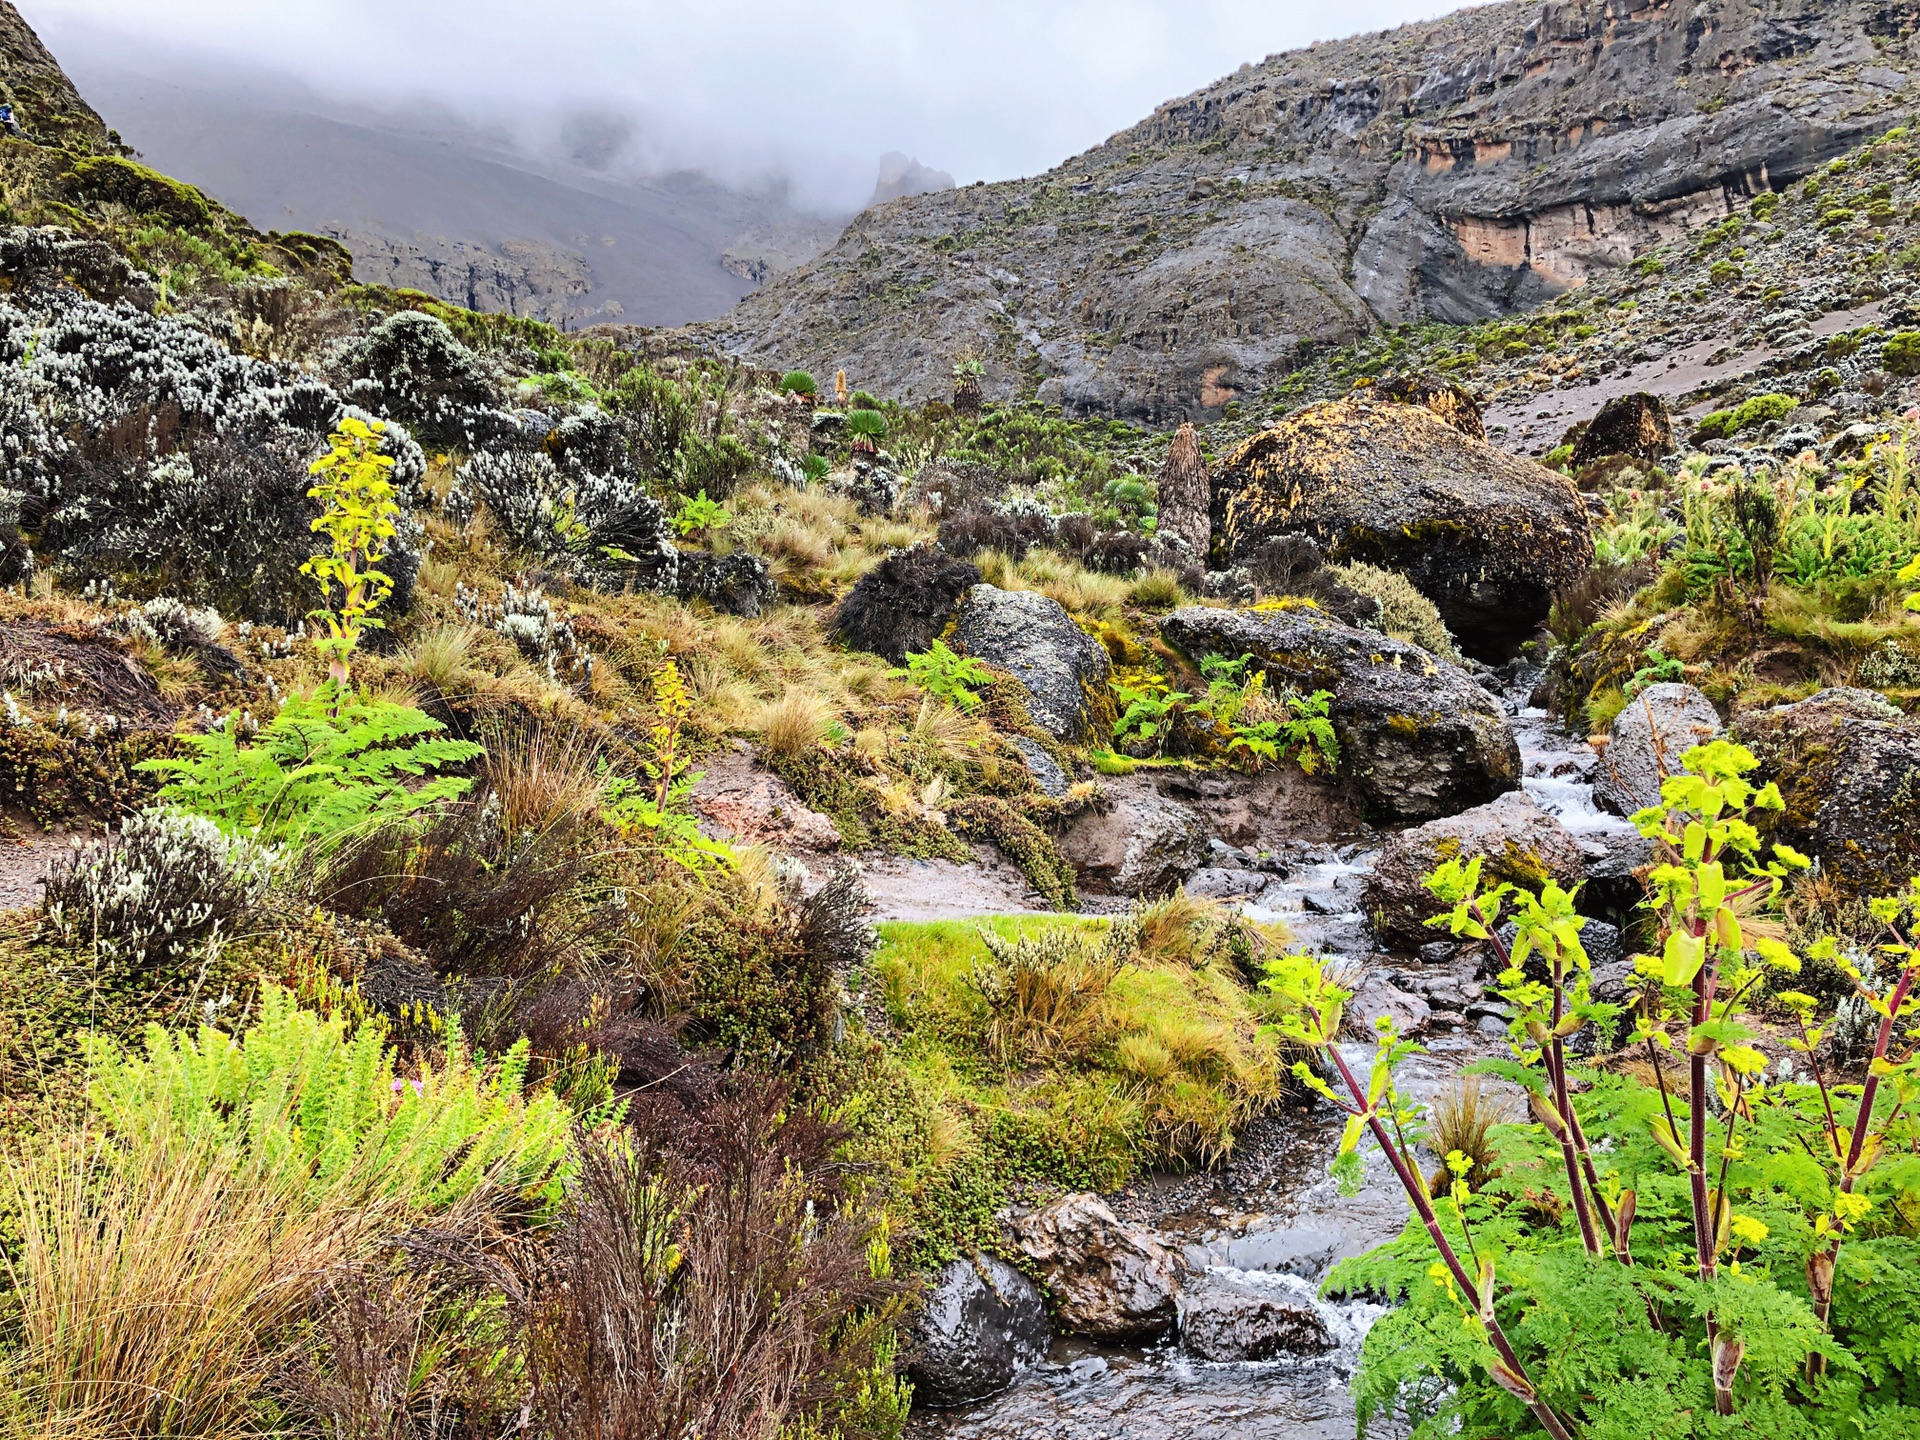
point(743, 90)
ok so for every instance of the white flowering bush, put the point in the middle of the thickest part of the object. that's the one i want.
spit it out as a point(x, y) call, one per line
point(527, 617)
point(411, 368)
point(169, 623)
point(167, 886)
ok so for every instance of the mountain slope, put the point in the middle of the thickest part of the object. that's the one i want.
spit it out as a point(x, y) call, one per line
point(1457, 169)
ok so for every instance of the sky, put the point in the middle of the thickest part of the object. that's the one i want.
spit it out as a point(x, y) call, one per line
point(745, 89)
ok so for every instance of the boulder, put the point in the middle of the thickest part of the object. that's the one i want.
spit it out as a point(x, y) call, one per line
point(1229, 1315)
point(904, 603)
point(1448, 399)
point(984, 1323)
point(1053, 781)
point(1518, 841)
point(1417, 735)
point(1848, 766)
point(1062, 669)
point(1106, 1279)
point(1487, 536)
point(1138, 843)
point(1378, 996)
point(1635, 425)
point(1645, 743)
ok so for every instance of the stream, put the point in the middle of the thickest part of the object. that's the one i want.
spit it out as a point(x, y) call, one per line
point(1271, 1213)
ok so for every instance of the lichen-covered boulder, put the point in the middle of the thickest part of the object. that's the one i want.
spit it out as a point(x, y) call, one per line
point(1062, 670)
point(1139, 842)
point(1448, 399)
point(1636, 425)
point(901, 605)
point(1106, 1278)
point(1848, 766)
point(1486, 536)
point(984, 1322)
point(1417, 735)
point(1645, 743)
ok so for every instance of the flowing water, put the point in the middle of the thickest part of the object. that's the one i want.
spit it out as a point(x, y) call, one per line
point(1271, 1214)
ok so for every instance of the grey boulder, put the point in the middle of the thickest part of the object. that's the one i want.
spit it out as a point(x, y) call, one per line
point(1645, 743)
point(1417, 735)
point(1139, 843)
point(984, 1322)
point(1230, 1315)
point(1061, 670)
point(1105, 1278)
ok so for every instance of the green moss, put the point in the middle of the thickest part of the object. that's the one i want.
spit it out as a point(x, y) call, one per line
point(988, 817)
point(119, 181)
point(58, 771)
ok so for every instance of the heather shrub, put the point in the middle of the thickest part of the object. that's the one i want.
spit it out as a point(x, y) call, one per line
point(1404, 613)
point(410, 368)
point(168, 884)
point(1011, 527)
point(904, 602)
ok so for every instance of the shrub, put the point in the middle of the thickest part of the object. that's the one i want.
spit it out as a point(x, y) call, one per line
point(1011, 527)
point(1404, 613)
point(1900, 352)
point(410, 367)
point(1045, 996)
point(169, 884)
point(904, 602)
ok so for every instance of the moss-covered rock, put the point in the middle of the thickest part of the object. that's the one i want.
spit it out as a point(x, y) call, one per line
point(1062, 670)
point(1488, 537)
point(1636, 425)
point(1417, 735)
point(1848, 766)
point(1519, 842)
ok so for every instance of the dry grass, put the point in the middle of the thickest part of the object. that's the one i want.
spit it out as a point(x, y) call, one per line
point(1157, 590)
point(441, 658)
point(1462, 1119)
point(1046, 996)
point(795, 723)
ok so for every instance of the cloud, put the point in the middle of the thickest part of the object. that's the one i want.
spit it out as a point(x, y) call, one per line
point(739, 88)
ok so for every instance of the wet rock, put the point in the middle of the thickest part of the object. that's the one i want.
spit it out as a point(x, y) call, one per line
point(1487, 536)
point(1242, 1315)
point(1518, 840)
point(1139, 842)
point(1645, 743)
point(1062, 669)
point(903, 604)
point(1635, 425)
point(1379, 997)
point(1448, 399)
point(984, 1323)
point(1217, 883)
point(1417, 736)
point(1613, 857)
point(1848, 766)
point(1106, 1279)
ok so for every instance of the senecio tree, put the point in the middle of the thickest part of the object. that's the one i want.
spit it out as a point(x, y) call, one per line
point(1599, 1324)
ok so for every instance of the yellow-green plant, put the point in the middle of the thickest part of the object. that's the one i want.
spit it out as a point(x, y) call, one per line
point(1910, 574)
point(357, 512)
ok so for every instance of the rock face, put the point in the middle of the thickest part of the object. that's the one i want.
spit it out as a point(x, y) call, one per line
point(1106, 1279)
point(1518, 841)
point(1185, 496)
point(1486, 536)
point(903, 603)
point(1417, 736)
point(1645, 743)
point(1848, 766)
point(1062, 669)
point(1455, 169)
point(1635, 425)
point(983, 1324)
point(1234, 1315)
point(1141, 843)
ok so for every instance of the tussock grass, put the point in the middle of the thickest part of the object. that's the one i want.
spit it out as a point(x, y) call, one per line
point(795, 723)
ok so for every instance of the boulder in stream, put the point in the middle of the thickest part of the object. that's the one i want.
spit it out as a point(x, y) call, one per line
point(1230, 1315)
point(1106, 1279)
point(1517, 840)
point(1417, 735)
point(984, 1322)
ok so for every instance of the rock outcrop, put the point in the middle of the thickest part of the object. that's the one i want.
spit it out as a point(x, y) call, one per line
point(1848, 766)
point(1636, 425)
point(1417, 736)
point(1454, 169)
point(1645, 743)
point(982, 1325)
point(1061, 669)
point(1139, 843)
point(1452, 402)
point(1105, 1278)
point(1486, 536)
point(1241, 1315)
point(1517, 840)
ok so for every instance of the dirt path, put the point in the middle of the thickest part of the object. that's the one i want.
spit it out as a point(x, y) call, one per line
point(904, 889)
point(22, 863)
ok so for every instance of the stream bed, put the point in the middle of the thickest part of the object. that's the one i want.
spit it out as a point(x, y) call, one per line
point(1271, 1214)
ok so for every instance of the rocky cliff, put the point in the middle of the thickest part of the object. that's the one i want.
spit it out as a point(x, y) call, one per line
point(1456, 169)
